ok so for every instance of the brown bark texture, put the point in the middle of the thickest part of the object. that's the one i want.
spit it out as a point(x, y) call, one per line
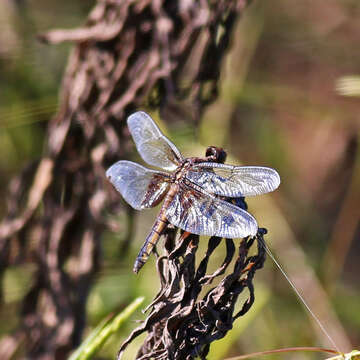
point(158, 54)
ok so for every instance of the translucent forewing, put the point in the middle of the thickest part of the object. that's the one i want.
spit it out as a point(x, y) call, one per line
point(152, 145)
point(140, 187)
point(234, 181)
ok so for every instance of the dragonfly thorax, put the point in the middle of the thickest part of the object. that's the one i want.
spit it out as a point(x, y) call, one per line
point(181, 171)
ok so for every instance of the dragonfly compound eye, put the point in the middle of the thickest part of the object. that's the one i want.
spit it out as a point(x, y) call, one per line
point(217, 153)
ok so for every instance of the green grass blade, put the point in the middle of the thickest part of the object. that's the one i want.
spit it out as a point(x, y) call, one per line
point(103, 331)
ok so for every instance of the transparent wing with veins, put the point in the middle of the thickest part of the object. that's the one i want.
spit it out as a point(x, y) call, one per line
point(140, 187)
point(234, 181)
point(154, 147)
point(198, 213)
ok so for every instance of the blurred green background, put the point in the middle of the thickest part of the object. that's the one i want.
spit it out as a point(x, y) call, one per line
point(289, 100)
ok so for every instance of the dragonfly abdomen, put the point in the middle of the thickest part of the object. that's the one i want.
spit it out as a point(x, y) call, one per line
point(155, 233)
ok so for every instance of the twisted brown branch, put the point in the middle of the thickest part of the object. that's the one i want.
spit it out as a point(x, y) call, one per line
point(181, 324)
point(128, 53)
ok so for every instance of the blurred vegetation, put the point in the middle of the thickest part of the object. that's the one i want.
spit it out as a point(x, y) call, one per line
point(102, 332)
point(289, 100)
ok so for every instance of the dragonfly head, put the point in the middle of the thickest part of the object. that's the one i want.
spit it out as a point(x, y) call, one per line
point(216, 154)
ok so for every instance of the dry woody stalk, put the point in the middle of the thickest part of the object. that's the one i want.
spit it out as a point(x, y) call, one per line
point(182, 323)
point(128, 53)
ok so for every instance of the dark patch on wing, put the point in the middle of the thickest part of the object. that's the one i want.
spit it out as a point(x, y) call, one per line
point(207, 209)
point(156, 191)
point(228, 220)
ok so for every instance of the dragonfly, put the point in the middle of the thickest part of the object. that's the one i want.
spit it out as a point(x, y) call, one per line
point(193, 190)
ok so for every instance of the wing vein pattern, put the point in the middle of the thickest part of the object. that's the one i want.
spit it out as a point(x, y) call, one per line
point(154, 147)
point(140, 187)
point(203, 214)
point(234, 181)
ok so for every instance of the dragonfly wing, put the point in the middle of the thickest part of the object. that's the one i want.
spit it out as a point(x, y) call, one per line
point(152, 145)
point(140, 187)
point(234, 181)
point(201, 214)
